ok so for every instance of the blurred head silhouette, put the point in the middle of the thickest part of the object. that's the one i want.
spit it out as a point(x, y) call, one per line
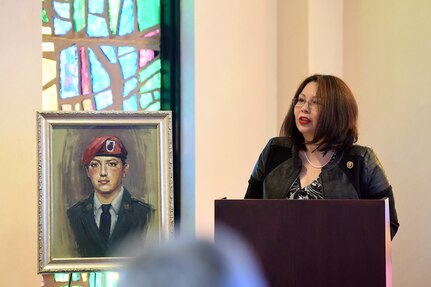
point(194, 263)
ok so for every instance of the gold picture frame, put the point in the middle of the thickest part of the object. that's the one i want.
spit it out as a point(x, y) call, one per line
point(64, 182)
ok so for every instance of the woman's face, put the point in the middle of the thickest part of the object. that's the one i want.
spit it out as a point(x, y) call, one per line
point(307, 111)
point(106, 174)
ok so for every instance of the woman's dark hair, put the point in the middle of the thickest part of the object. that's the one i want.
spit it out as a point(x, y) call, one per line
point(338, 114)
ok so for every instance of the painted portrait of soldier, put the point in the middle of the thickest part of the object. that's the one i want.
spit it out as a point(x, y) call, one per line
point(110, 213)
point(105, 187)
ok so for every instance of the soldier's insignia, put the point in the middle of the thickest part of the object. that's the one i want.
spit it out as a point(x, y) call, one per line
point(110, 145)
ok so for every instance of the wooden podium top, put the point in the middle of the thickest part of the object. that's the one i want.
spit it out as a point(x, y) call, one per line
point(314, 242)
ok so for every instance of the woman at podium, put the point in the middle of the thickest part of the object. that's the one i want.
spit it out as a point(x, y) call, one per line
point(316, 156)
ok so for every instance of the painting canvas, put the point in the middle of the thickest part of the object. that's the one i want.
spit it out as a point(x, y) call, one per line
point(105, 182)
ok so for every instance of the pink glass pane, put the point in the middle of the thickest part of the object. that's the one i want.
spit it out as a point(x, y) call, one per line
point(85, 75)
point(145, 56)
point(152, 33)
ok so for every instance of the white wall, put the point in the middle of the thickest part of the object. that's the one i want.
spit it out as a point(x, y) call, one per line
point(384, 58)
point(20, 78)
point(309, 40)
point(235, 97)
point(232, 78)
point(387, 62)
point(325, 35)
point(292, 52)
point(188, 170)
point(246, 59)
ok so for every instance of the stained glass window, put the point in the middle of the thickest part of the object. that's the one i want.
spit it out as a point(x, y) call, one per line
point(101, 54)
point(107, 55)
point(94, 279)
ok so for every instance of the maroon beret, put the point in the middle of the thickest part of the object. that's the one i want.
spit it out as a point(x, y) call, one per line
point(104, 146)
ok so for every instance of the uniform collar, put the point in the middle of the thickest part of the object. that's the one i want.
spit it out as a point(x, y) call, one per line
point(115, 204)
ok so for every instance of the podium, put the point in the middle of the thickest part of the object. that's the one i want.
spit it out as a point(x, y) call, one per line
point(314, 243)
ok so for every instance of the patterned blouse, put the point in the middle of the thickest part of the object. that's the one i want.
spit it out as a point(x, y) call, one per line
point(311, 191)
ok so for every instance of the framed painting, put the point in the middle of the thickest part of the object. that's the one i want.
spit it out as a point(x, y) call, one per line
point(105, 187)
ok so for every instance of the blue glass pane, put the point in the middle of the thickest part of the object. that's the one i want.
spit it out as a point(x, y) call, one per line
point(131, 104)
point(69, 78)
point(75, 276)
point(100, 78)
point(96, 6)
point(97, 26)
point(93, 278)
point(61, 27)
point(103, 100)
point(124, 50)
point(64, 277)
point(129, 86)
point(129, 64)
point(110, 53)
point(62, 9)
point(127, 18)
point(152, 84)
point(156, 95)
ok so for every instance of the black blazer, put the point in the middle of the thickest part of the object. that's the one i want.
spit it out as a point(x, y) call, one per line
point(355, 173)
point(133, 217)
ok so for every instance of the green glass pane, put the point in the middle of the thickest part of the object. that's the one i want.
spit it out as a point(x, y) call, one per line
point(154, 107)
point(64, 277)
point(44, 16)
point(97, 279)
point(146, 100)
point(150, 70)
point(114, 12)
point(152, 84)
point(79, 14)
point(148, 12)
point(61, 277)
point(150, 101)
point(157, 95)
